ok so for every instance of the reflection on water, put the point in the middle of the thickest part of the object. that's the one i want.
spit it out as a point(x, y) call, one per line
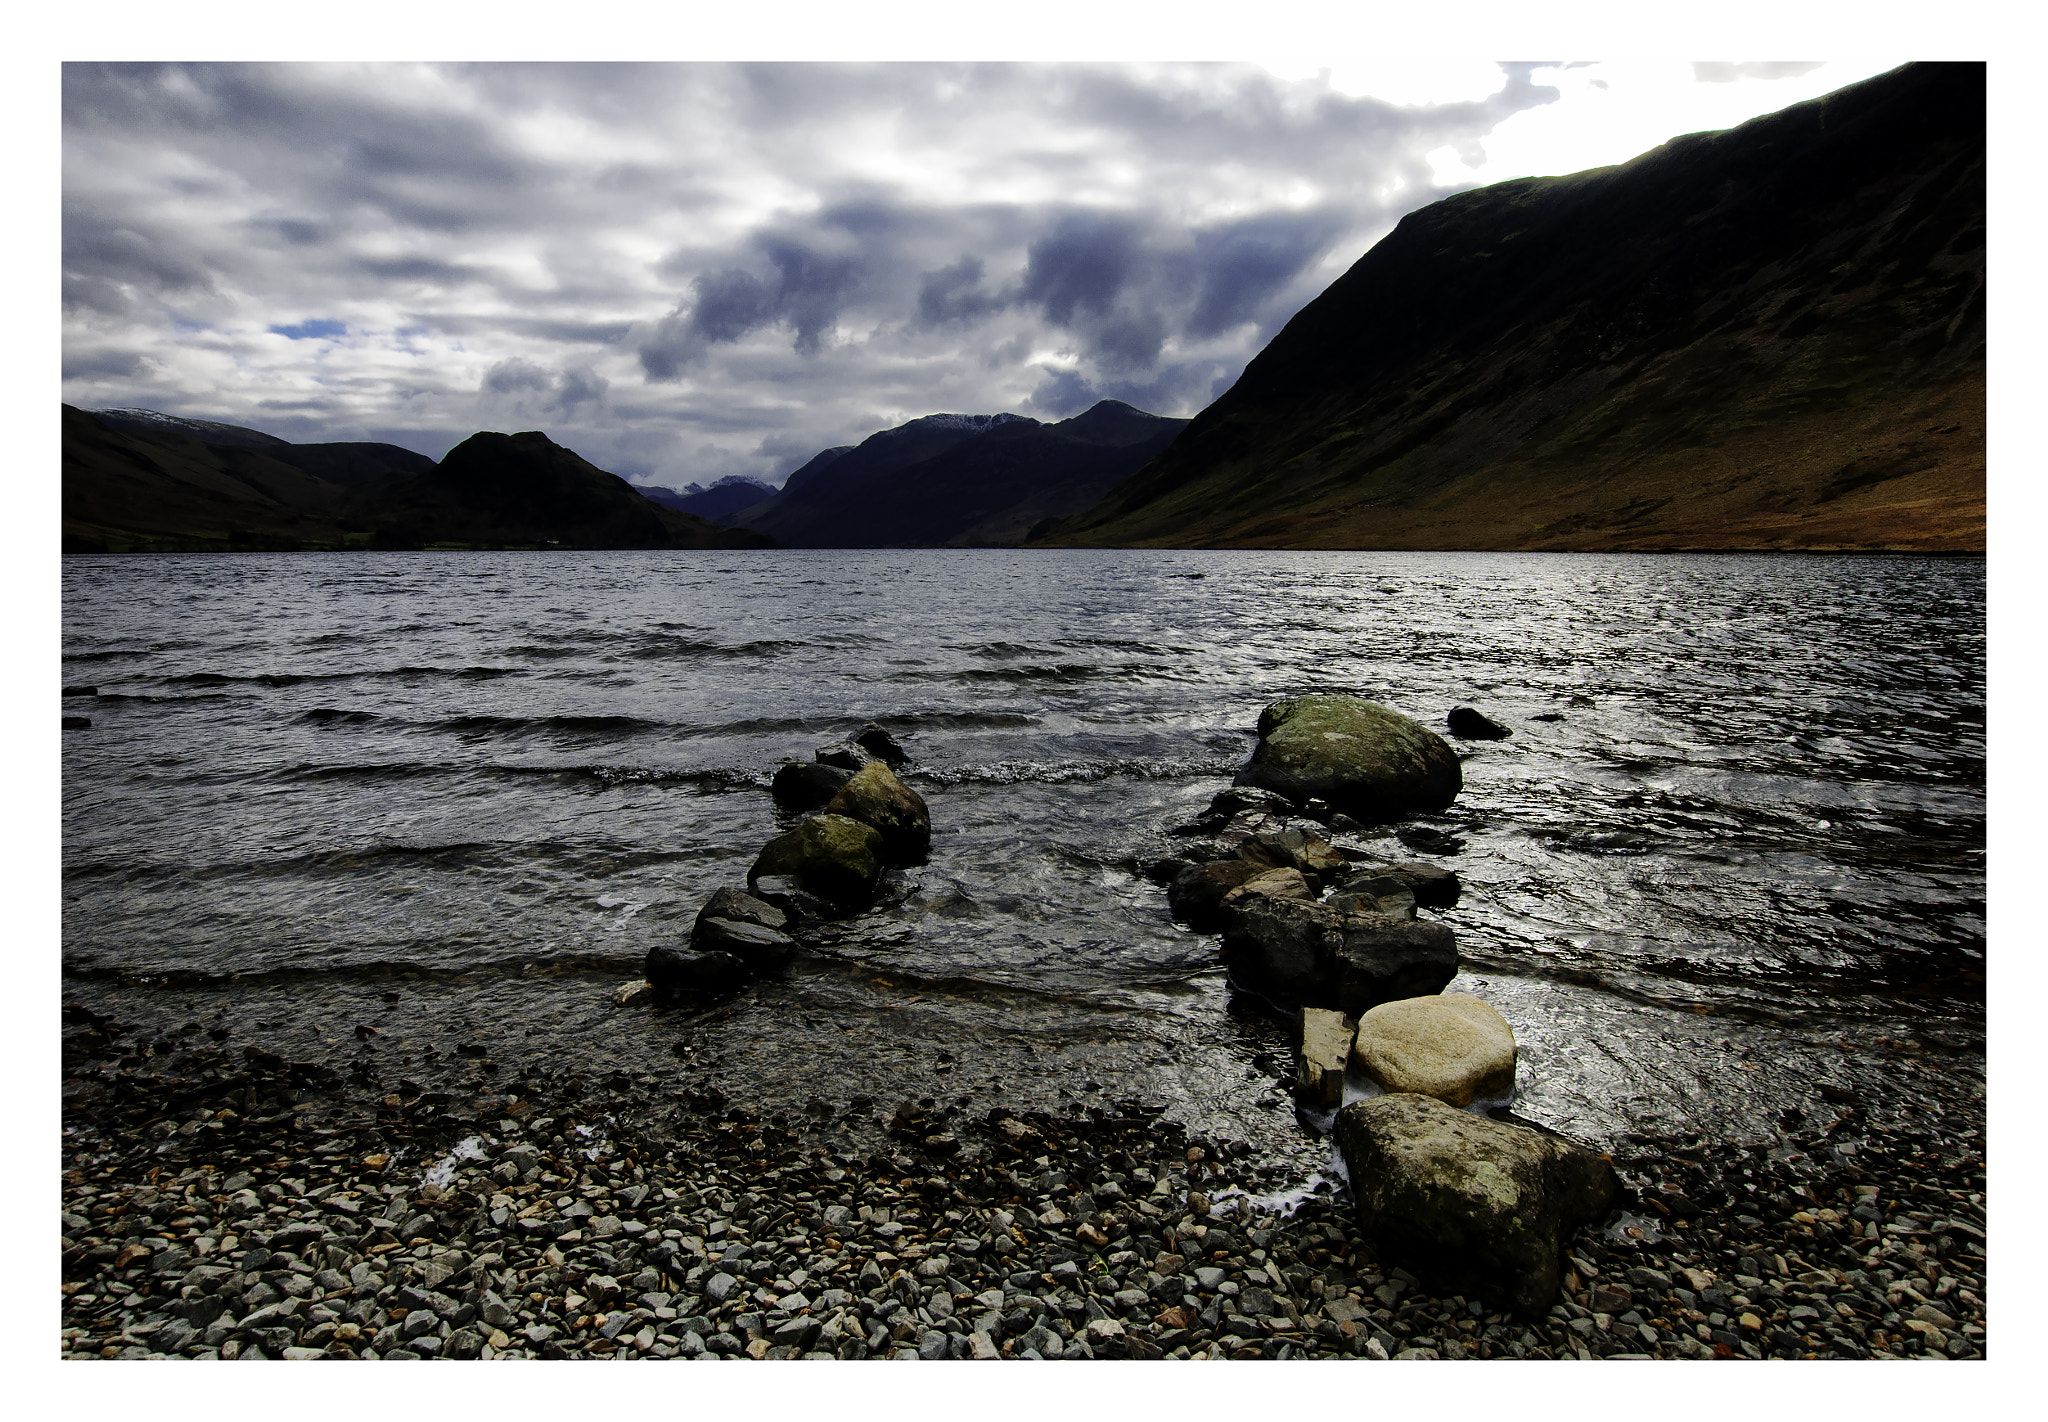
point(1740, 821)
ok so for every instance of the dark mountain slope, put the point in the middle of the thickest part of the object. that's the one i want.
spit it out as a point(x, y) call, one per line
point(962, 481)
point(1771, 337)
point(129, 487)
point(526, 489)
point(148, 485)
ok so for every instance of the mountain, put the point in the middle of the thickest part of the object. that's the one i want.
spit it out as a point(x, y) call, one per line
point(959, 480)
point(526, 489)
point(1766, 338)
point(728, 496)
point(151, 484)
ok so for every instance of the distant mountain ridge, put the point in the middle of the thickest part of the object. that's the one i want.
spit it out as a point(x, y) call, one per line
point(715, 501)
point(954, 480)
point(1771, 337)
point(138, 480)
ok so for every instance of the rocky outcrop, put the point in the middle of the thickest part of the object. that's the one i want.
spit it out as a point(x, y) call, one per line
point(837, 858)
point(1360, 757)
point(1322, 1046)
point(1451, 1046)
point(1469, 1205)
point(875, 797)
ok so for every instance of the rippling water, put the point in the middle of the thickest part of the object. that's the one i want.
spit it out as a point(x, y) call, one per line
point(1749, 834)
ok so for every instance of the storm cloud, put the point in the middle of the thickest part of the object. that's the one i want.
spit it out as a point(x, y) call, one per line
point(690, 271)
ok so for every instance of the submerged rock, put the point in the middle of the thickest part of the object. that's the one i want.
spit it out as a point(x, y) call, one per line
point(1469, 725)
point(1469, 1205)
point(837, 858)
point(876, 798)
point(1361, 757)
point(801, 786)
point(1322, 1045)
point(675, 970)
point(802, 909)
point(1451, 1046)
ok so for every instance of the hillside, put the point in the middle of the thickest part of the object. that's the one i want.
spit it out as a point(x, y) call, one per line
point(959, 480)
point(138, 481)
point(1771, 337)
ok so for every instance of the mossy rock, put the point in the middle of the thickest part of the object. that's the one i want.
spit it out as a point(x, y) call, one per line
point(837, 858)
point(1469, 1205)
point(875, 797)
point(1362, 758)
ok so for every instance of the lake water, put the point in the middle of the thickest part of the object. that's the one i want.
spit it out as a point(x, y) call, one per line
point(1750, 842)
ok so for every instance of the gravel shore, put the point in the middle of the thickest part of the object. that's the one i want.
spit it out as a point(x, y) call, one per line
point(250, 1207)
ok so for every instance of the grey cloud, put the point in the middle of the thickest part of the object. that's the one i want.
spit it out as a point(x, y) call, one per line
point(415, 205)
point(510, 376)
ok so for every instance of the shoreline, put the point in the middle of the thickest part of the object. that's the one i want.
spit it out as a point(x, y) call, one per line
point(260, 1213)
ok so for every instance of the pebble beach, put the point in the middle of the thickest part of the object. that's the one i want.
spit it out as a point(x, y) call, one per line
point(240, 1206)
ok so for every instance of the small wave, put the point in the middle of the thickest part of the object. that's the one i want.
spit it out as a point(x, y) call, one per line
point(330, 716)
point(545, 725)
point(283, 679)
point(708, 781)
point(143, 696)
point(664, 648)
point(1013, 772)
point(1058, 674)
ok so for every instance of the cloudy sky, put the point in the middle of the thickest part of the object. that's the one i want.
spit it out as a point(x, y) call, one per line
point(685, 271)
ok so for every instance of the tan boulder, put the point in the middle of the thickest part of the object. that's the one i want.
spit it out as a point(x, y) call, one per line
point(1451, 1046)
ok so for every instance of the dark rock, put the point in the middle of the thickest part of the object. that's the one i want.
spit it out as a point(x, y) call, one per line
point(834, 857)
point(878, 743)
point(876, 798)
point(77, 723)
point(763, 950)
point(1362, 758)
point(844, 756)
point(1433, 885)
point(1320, 956)
point(1470, 1205)
point(1374, 893)
point(81, 691)
point(800, 908)
point(1287, 848)
point(1196, 895)
point(1239, 798)
point(737, 906)
point(685, 970)
point(1429, 841)
point(798, 786)
point(1469, 725)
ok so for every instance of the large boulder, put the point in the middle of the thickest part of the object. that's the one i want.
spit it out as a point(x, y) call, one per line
point(1451, 1046)
point(807, 786)
point(837, 858)
point(1274, 883)
point(875, 797)
point(1466, 1204)
point(1362, 758)
point(1322, 956)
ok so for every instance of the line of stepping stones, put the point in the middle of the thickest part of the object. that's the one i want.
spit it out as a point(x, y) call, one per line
point(828, 866)
point(1469, 1203)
